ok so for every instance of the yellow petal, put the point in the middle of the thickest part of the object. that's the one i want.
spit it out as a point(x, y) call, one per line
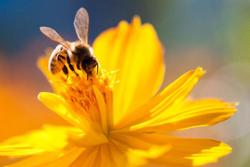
point(36, 142)
point(57, 104)
point(192, 152)
point(136, 52)
point(54, 159)
point(175, 92)
point(139, 157)
point(176, 152)
point(86, 158)
point(66, 159)
point(140, 146)
point(190, 114)
point(117, 154)
point(36, 160)
point(90, 136)
point(105, 155)
point(132, 141)
point(102, 109)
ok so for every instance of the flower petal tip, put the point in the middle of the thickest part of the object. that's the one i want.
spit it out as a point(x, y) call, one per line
point(200, 71)
point(41, 95)
point(136, 20)
point(236, 104)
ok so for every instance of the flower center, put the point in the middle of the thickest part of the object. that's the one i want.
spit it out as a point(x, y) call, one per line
point(90, 98)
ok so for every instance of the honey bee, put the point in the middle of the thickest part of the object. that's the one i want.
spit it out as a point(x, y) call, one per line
point(70, 55)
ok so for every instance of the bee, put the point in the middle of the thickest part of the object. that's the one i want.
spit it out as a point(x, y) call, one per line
point(71, 55)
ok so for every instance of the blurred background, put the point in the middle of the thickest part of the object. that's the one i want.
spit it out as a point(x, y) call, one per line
point(213, 34)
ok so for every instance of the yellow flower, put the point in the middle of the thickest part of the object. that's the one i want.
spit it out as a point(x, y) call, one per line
point(117, 118)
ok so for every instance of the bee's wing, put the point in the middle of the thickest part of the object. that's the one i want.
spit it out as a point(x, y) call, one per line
point(53, 35)
point(81, 24)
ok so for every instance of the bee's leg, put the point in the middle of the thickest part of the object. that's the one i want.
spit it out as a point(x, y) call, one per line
point(78, 65)
point(65, 71)
point(71, 67)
